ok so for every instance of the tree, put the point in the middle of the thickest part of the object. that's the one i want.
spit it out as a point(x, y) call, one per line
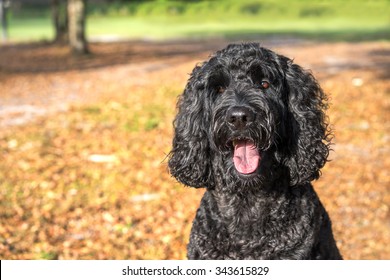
point(3, 18)
point(76, 26)
point(60, 20)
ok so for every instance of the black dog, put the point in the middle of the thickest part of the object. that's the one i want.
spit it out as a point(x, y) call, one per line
point(251, 128)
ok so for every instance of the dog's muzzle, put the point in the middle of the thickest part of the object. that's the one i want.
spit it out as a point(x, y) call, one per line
point(246, 157)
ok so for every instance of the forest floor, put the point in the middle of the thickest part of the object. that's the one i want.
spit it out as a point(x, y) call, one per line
point(83, 145)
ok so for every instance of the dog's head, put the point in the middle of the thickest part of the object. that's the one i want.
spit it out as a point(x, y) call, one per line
point(245, 113)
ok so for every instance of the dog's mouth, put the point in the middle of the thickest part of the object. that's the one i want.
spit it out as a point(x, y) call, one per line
point(246, 157)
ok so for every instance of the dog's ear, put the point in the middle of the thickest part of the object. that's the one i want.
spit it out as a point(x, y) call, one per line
point(309, 146)
point(190, 159)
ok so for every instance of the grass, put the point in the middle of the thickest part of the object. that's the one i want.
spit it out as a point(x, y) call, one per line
point(30, 29)
point(134, 28)
point(171, 19)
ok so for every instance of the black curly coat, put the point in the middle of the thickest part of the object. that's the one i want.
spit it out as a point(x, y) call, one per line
point(251, 128)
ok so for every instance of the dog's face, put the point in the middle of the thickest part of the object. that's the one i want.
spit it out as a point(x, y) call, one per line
point(246, 116)
point(247, 99)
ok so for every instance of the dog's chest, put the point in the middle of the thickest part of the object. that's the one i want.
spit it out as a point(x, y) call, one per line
point(260, 229)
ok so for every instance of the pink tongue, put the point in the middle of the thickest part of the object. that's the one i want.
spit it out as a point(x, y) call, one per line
point(246, 157)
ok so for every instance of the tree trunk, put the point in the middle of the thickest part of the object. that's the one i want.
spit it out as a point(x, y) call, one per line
point(60, 20)
point(76, 26)
point(3, 17)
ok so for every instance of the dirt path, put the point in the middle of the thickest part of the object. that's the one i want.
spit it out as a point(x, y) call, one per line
point(40, 79)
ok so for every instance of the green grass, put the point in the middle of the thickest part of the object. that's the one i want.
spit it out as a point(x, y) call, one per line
point(30, 29)
point(172, 19)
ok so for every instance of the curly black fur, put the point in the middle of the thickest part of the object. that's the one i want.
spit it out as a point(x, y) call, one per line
point(250, 95)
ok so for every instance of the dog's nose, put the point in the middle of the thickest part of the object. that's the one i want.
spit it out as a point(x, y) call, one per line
point(240, 117)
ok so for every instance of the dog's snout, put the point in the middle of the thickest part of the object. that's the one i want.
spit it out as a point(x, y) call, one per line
point(240, 117)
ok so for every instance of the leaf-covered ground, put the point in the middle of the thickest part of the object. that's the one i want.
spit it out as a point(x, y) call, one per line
point(83, 142)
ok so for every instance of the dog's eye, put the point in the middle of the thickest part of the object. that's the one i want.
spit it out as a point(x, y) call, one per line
point(221, 89)
point(264, 84)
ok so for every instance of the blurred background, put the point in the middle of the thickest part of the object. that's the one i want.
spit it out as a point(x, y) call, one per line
point(88, 92)
point(110, 20)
